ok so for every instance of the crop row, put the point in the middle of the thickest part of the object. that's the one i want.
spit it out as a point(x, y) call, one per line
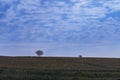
point(36, 74)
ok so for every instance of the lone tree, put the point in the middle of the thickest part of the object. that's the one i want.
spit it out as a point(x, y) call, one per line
point(39, 52)
point(80, 56)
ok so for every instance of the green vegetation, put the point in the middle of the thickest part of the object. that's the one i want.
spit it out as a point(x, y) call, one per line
point(46, 68)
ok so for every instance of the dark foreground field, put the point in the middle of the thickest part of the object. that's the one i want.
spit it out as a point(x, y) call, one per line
point(46, 68)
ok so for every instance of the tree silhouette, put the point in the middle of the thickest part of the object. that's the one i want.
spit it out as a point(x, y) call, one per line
point(80, 56)
point(39, 52)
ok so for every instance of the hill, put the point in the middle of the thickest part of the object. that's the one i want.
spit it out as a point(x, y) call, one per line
point(59, 68)
point(61, 63)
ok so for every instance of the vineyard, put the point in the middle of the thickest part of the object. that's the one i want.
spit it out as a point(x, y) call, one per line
point(59, 68)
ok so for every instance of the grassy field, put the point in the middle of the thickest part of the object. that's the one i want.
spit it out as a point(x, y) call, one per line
point(59, 68)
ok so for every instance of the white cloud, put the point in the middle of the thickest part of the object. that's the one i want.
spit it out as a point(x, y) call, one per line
point(113, 5)
point(60, 20)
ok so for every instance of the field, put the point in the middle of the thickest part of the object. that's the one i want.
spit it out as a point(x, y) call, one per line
point(59, 68)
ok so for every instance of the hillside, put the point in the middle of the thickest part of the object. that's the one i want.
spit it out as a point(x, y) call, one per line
point(59, 68)
point(61, 63)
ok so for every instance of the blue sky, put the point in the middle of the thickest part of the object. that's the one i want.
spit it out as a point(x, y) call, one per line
point(60, 27)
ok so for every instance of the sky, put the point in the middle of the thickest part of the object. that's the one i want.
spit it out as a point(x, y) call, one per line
point(60, 27)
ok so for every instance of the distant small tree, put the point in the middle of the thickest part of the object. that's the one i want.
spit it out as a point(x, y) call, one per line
point(39, 52)
point(80, 56)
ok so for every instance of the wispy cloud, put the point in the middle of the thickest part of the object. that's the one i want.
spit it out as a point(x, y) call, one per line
point(59, 20)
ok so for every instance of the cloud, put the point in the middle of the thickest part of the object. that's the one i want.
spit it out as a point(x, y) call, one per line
point(113, 5)
point(59, 20)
